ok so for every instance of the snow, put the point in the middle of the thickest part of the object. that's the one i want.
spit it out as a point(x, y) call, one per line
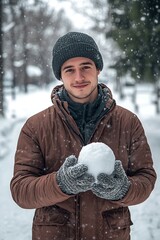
point(15, 222)
point(33, 71)
point(8, 27)
point(98, 157)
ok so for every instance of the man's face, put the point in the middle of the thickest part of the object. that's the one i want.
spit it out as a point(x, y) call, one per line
point(80, 78)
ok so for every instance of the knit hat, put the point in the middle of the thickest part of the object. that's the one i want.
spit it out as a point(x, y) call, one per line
point(75, 44)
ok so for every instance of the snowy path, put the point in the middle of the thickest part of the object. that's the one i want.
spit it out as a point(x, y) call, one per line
point(146, 216)
point(15, 222)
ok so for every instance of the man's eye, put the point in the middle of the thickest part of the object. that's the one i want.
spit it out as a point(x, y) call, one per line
point(86, 67)
point(69, 70)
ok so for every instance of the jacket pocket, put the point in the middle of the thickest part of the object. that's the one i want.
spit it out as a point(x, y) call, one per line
point(117, 218)
point(52, 223)
point(116, 224)
point(52, 215)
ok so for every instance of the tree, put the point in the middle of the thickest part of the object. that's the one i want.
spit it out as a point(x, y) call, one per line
point(30, 32)
point(94, 10)
point(136, 29)
point(13, 43)
point(1, 64)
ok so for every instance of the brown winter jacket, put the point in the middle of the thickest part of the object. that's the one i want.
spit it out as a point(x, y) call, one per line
point(50, 136)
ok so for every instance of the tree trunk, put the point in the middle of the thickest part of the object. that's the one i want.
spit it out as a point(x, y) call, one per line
point(25, 51)
point(13, 43)
point(1, 65)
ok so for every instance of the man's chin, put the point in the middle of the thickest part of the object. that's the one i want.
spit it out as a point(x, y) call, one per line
point(82, 97)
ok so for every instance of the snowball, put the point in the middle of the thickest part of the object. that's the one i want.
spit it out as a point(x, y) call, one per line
point(98, 157)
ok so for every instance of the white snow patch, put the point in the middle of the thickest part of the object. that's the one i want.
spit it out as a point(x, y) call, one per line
point(34, 71)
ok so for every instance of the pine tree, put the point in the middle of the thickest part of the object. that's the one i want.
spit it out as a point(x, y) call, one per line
point(136, 29)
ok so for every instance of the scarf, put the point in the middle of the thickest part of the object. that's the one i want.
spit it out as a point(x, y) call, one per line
point(87, 115)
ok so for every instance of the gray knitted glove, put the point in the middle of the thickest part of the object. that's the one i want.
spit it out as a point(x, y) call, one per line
point(114, 186)
point(73, 178)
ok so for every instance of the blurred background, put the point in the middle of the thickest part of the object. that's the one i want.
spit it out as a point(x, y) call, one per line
point(128, 35)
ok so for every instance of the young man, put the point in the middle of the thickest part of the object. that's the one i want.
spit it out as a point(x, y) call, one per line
point(69, 203)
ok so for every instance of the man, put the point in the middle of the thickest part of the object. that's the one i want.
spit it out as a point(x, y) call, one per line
point(47, 176)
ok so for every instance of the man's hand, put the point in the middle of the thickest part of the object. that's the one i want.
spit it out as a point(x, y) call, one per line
point(73, 178)
point(114, 186)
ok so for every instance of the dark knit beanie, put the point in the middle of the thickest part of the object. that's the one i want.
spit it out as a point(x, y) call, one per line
point(75, 44)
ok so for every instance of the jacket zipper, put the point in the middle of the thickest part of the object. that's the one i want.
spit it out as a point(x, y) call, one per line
point(77, 217)
point(77, 197)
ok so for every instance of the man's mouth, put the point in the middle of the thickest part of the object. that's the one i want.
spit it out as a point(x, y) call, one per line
point(82, 85)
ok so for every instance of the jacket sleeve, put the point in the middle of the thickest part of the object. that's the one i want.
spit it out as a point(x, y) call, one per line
point(141, 172)
point(30, 186)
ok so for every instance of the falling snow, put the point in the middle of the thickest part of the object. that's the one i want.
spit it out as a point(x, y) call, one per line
point(15, 222)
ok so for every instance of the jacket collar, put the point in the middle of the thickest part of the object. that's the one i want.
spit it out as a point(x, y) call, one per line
point(57, 94)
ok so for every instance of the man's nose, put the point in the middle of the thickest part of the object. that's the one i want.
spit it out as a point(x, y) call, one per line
point(79, 75)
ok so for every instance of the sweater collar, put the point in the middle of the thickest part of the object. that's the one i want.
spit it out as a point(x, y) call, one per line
point(86, 111)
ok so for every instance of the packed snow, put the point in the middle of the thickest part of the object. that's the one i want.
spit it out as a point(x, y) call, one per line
point(15, 222)
point(98, 157)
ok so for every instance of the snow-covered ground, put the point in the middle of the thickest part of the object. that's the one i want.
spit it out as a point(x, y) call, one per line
point(15, 223)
